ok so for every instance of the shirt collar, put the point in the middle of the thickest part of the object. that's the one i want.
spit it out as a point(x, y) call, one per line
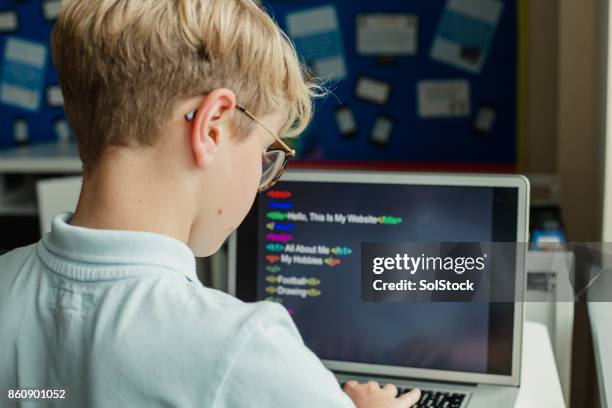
point(97, 247)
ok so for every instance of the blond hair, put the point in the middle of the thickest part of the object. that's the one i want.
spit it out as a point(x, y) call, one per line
point(123, 64)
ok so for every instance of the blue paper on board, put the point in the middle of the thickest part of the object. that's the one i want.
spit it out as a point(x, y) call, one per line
point(465, 33)
point(23, 73)
point(317, 37)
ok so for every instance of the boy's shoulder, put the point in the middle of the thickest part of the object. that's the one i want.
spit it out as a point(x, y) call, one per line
point(189, 328)
point(206, 311)
point(15, 260)
point(203, 318)
point(16, 255)
point(197, 302)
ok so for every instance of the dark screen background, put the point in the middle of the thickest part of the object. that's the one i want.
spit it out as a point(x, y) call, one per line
point(335, 323)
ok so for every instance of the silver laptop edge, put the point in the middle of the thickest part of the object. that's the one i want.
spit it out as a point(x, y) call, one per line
point(442, 179)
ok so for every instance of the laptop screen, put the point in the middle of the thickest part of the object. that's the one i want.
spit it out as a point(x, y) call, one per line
point(303, 240)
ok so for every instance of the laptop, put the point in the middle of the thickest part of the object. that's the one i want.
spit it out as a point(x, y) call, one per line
point(300, 246)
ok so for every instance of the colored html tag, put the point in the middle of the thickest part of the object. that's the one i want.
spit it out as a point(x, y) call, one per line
point(272, 258)
point(279, 194)
point(284, 238)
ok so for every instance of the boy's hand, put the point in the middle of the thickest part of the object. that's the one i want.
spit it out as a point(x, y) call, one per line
point(371, 395)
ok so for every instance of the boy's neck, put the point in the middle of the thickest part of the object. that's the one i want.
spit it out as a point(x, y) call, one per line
point(131, 195)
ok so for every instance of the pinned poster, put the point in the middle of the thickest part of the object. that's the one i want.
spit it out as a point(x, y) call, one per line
point(345, 120)
point(465, 33)
point(54, 96)
point(23, 73)
point(317, 37)
point(63, 132)
point(485, 119)
point(21, 131)
point(372, 90)
point(387, 34)
point(381, 132)
point(443, 99)
point(8, 21)
point(51, 9)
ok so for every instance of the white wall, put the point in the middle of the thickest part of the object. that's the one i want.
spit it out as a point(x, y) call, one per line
point(607, 181)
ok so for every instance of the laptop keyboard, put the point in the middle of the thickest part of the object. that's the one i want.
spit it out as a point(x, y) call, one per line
point(435, 399)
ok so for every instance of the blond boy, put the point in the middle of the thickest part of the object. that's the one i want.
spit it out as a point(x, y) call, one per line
point(174, 104)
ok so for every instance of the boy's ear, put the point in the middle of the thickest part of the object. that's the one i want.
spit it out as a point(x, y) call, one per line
point(208, 125)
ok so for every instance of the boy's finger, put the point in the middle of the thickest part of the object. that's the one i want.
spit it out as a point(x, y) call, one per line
point(350, 385)
point(410, 398)
point(390, 389)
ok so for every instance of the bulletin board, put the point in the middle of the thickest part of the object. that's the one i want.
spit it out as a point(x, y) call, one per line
point(31, 107)
point(475, 125)
point(373, 114)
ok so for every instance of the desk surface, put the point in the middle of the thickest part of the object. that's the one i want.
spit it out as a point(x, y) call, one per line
point(540, 386)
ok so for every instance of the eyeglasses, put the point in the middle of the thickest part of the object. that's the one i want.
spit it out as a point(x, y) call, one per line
point(274, 160)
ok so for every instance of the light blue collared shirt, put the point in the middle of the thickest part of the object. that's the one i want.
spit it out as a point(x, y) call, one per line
point(119, 319)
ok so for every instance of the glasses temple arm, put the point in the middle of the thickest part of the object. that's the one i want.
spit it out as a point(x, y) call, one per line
point(275, 136)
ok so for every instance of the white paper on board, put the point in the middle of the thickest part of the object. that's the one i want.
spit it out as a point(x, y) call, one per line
point(8, 21)
point(54, 96)
point(51, 9)
point(465, 33)
point(382, 130)
point(346, 121)
point(25, 52)
point(485, 119)
point(373, 90)
point(387, 34)
point(21, 131)
point(443, 98)
point(317, 37)
point(62, 130)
